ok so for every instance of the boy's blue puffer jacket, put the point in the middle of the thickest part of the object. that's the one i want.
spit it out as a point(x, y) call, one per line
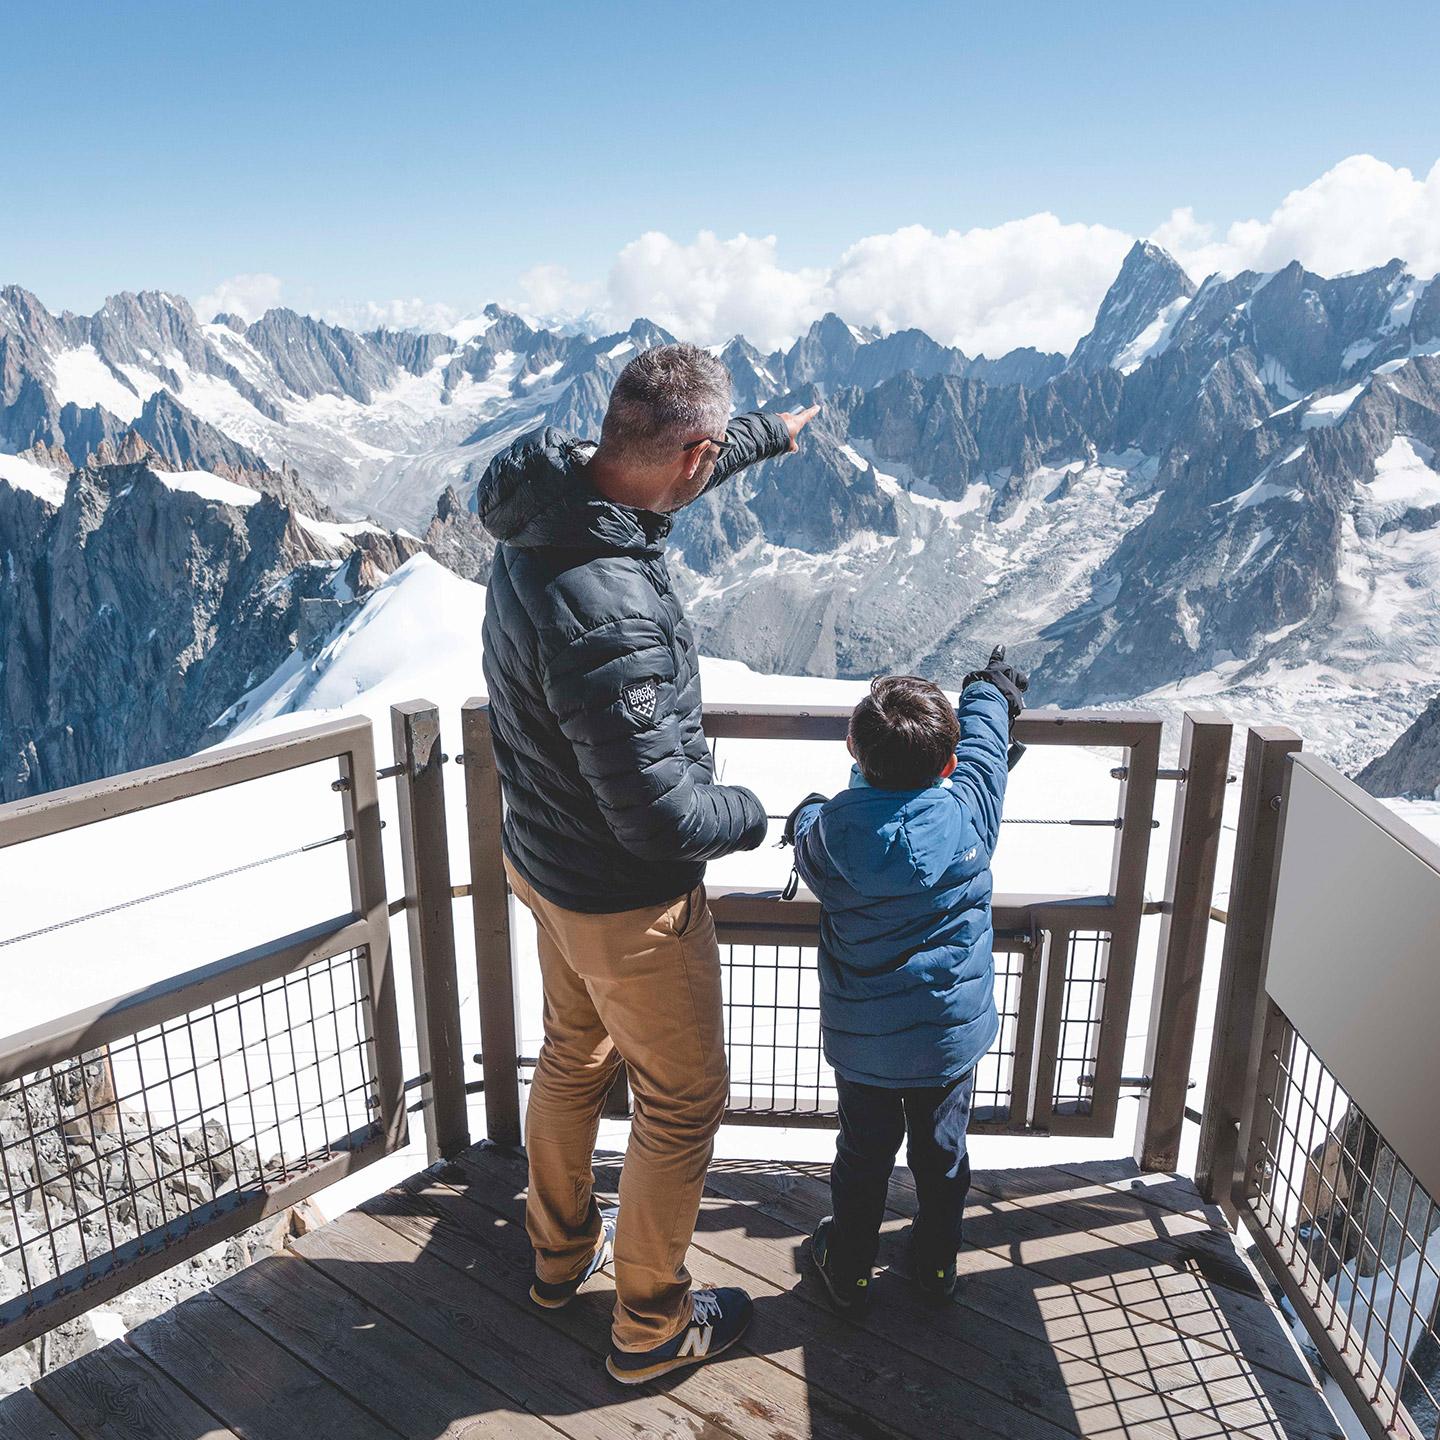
point(907, 979)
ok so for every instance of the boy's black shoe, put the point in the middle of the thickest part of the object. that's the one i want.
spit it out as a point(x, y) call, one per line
point(935, 1282)
point(555, 1295)
point(848, 1293)
point(717, 1320)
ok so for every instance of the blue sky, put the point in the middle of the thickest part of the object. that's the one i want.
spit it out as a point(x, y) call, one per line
point(369, 151)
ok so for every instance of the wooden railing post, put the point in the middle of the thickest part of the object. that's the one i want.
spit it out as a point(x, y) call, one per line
point(360, 799)
point(1184, 930)
point(1241, 979)
point(430, 919)
point(490, 906)
point(1127, 886)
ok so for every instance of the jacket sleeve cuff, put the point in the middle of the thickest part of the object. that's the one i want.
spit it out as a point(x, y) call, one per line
point(777, 437)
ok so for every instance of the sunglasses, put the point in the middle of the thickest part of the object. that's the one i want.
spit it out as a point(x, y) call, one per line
point(720, 445)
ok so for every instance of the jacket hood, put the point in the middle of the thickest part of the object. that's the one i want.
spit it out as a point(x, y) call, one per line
point(887, 842)
point(535, 494)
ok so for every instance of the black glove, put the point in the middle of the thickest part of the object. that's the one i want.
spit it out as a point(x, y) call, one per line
point(787, 836)
point(1009, 681)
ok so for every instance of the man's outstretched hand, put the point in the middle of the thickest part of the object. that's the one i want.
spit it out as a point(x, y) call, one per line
point(795, 422)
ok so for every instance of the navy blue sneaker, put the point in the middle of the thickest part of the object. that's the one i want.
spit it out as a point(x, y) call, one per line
point(718, 1319)
point(850, 1292)
point(555, 1295)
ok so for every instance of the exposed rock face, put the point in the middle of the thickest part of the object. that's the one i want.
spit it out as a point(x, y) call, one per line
point(1148, 285)
point(458, 540)
point(1411, 766)
point(137, 610)
point(111, 1172)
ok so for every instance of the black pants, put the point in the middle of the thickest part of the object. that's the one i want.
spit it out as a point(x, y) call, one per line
point(873, 1122)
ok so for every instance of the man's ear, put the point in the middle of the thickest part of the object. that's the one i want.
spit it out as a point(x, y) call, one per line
point(949, 769)
point(694, 459)
point(850, 745)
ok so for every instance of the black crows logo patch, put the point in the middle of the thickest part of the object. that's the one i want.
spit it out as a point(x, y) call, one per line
point(640, 698)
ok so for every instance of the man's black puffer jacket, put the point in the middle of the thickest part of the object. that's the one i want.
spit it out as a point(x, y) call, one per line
point(594, 684)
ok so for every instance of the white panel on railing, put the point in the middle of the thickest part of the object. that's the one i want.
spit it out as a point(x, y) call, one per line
point(1353, 954)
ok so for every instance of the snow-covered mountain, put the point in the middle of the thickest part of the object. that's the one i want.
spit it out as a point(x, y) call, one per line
point(1226, 493)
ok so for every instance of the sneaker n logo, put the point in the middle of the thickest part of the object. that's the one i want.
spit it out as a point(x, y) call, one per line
point(696, 1341)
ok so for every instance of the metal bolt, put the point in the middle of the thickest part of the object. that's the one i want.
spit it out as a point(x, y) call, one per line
point(343, 783)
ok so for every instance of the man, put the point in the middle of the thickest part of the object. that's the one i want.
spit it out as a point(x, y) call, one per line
point(613, 811)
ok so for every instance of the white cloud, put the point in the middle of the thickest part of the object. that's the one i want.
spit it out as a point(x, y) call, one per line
point(712, 289)
point(549, 290)
point(1035, 281)
point(402, 314)
point(1031, 281)
point(1359, 214)
point(248, 296)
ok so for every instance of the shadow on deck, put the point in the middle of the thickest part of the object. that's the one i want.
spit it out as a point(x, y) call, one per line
point(1092, 1302)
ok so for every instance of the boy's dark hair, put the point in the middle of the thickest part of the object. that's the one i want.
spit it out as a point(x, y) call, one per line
point(903, 732)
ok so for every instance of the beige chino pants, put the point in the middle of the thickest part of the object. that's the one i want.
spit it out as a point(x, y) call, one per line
point(639, 988)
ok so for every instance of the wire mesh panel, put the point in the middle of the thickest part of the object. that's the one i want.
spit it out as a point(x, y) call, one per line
point(139, 1130)
point(1082, 1009)
point(778, 1070)
point(131, 1149)
point(1356, 1237)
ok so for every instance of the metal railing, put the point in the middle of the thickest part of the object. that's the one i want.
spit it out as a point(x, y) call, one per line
point(143, 1130)
point(1065, 964)
point(1319, 1134)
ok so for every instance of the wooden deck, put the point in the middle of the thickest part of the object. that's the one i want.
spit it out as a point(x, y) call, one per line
point(1090, 1304)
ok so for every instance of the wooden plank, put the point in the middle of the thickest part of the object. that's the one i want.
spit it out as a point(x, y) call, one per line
point(1011, 1355)
point(490, 913)
point(1241, 987)
point(52, 1042)
point(23, 1417)
point(1184, 933)
point(365, 859)
point(254, 1385)
point(1008, 1293)
point(367, 1356)
point(814, 1343)
point(1120, 1217)
point(1184, 1277)
point(114, 1394)
point(744, 1395)
point(445, 1309)
point(39, 815)
point(430, 920)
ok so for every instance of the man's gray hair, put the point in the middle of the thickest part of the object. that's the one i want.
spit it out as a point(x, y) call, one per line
point(663, 398)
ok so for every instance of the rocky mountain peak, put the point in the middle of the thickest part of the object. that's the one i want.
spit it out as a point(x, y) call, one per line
point(1150, 282)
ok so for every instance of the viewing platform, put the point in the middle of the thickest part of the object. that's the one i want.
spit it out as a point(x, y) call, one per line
point(284, 1043)
point(1092, 1302)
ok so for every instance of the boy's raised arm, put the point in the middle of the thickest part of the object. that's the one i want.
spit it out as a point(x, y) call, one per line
point(989, 704)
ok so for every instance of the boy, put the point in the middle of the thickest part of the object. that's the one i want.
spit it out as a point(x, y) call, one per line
point(900, 863)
